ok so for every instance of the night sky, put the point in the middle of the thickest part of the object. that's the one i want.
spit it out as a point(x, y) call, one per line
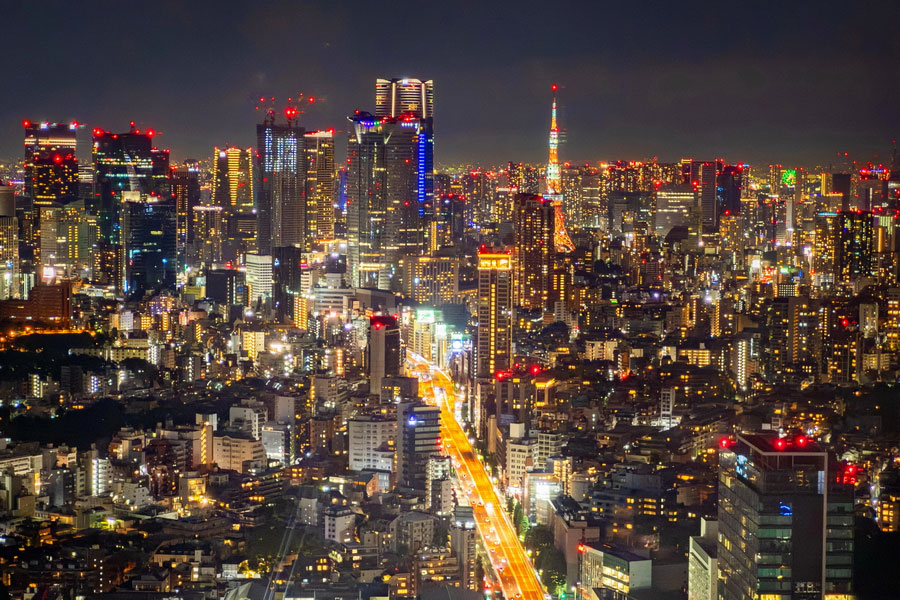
point(792, 82)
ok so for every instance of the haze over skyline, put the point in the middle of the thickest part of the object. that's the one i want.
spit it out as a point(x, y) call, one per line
point(743, 82)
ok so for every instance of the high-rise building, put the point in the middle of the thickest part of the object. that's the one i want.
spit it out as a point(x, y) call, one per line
point(125, 162)
point(390, 194)
point(418, 434)
point(394, 97)
point(186, 189)
point(494, 333)
point(534, 222)
point(259, 277)
point(150, 254)
point(431, 280)
point(320, 209)
point(281, 165)
point(854, 254)
point(51, 173)
point(208, 233)
point(383, 351)
point(234, 186)
point(785, 520)
point(9, 243)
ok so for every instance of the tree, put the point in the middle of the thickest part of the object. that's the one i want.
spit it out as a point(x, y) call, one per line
point(518, 514)
point(552, 564)
point(439, 537)
point(538, 537)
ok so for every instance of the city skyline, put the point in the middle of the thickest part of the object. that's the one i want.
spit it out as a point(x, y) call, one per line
point(652, 85)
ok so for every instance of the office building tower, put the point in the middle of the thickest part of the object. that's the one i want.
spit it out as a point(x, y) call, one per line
point(288, 264)
point(785, 520)
point(186, 189)
point(674, 208)
point(51, 168)
point(524, 179)
point(854, 254)
point(232, 179)
point(707, 202)
point(150, 247)
point(9, 243)
point(418, 436)
point(431, 280)
point(494, 333)
point(234, 186)
point(125, 162)
point(281, 166)
point(730, 189)
point(207, 233)
point(841, 184)
point(390, 191)
point(320, 208)
point(259, 277)
point(383, 353)
point(534, 223)
point(394, 97)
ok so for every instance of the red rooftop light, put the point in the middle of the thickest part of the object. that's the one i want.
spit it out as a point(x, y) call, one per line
point(801, 440)
point(780, 444)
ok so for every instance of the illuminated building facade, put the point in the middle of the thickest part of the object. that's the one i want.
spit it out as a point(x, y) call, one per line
point(394, 97)
point(775, 497)
point(234, 186)
point(186, 190)
point(281, 165)
point(9, 244)
point(51, 172)
point(208, 233)
point(125, 162)
point(494, 333)
point(534, 227)
point(431, 280)
point(320, 211)
point(390, 194)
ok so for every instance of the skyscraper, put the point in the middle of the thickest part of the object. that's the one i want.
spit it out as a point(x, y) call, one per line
point(534, 221)
point(9, 243)
point(390, 191)
point(384, 355)
point(233, 188)
point(125, 162)
point(51, 173)
point(855, 247)
point(186, 190)
point(394, 97)
point(494, 333)
point(320, 184)
point(785, 520)
point(150, 254)
point(281, 164)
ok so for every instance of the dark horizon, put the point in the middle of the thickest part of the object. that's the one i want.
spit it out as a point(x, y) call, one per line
point(745, 84)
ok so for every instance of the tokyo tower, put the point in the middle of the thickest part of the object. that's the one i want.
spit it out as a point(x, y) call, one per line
point(554, 184)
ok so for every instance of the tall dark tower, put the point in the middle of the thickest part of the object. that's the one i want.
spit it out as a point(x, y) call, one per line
point(125, 162)
point(281, 164)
